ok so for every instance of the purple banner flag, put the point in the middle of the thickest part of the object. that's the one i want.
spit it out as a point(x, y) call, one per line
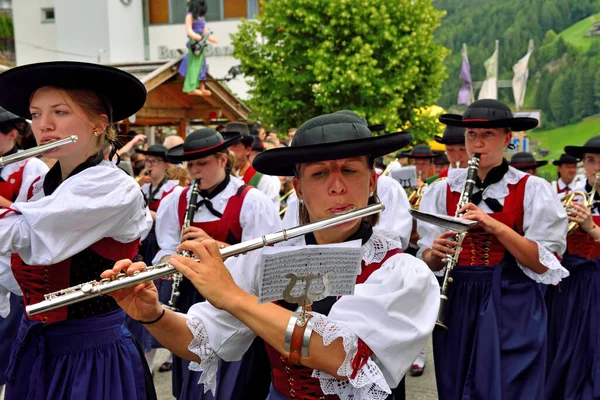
point(464, 94)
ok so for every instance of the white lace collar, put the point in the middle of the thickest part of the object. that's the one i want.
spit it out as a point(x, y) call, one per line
point(374, 251)
point(457, 179)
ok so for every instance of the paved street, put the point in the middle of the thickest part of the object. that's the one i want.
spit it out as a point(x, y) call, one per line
point(421, 388)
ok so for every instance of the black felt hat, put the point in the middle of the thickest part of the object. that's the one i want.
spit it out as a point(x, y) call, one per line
point(7, 116)
point(157, 150)
point(441, 159)
point(328, 137)
point(199, 144)
point(566, 159)
point(122, 93)
point(452, 135)
point(591, 146)
point(372, 128)
point(233, 129)
point(419, 151)
point(524, 161)
point(488, 113)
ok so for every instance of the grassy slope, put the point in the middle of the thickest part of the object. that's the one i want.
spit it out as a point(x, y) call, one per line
point(556, 139)
point(575, 34)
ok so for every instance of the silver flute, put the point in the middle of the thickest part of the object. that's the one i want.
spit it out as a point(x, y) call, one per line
point(89, 290)
point(35, 151)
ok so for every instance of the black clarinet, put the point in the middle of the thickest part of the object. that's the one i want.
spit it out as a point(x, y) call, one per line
point(187, 221)
point(450, 261)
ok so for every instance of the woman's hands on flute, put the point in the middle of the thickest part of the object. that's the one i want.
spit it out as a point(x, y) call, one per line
point(209, 275)
point(140, 302)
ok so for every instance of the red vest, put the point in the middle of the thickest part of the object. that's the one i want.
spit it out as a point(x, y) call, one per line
point(10, 188)
point(228, 228)
point(296, 381)
point(583, 244)
point(479, 247)
point(153, 206)
point(37, 280)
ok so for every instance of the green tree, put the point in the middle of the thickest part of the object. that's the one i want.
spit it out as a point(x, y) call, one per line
point(308, 57)
point(560, 99)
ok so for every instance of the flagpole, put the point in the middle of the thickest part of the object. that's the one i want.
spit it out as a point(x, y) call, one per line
point(471, 94)
point(497, 62)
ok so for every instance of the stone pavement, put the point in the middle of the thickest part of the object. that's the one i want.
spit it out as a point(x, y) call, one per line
point(420, 388)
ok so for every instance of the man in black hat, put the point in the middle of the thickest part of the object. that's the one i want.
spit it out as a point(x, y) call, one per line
point(242, 167)
point(526, 162)
point(567, 171)
point(421, 157)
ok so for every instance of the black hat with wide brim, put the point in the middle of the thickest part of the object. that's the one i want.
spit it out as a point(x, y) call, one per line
point(233, 129)
point(328, 137)
point(489, 113)
point(566, 159)
point(199, 144)
point(372, 128)
point(419, 151)
point(591, 146)
point(524, 161)
point(7, 116)
point(157, 150)
point(453, 135)
point(122, 93)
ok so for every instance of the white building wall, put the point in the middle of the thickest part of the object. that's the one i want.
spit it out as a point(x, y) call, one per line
point(82, 29)
point(34, 41)
point(125, 31)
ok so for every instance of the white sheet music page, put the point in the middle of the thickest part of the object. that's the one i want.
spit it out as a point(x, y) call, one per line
point(341, 262)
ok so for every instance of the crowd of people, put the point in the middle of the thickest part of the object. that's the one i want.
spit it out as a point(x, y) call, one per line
point(520, 317)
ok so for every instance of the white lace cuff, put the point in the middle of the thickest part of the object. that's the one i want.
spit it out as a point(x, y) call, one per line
point(369, 383)
point(209, 361)
point(556, 272)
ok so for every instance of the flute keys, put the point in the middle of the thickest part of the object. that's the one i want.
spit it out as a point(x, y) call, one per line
point(87, 288)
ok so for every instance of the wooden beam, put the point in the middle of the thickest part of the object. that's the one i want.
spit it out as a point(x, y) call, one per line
point(182, 128)
point(176, 94)
point(155, 121)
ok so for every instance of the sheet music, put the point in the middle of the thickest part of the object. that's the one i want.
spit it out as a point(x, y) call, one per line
point(406, 176)
point(342, 260)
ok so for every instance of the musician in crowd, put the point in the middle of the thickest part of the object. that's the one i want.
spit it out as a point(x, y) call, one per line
point(243, 168)
point(228, 211)
point(158, 188)
point(456, 152)
point(495, 343)
point(573, 370)
point(440, 163)
point(526, 162)
point(15, 180)
point(421, 157)
point(566, 167)
point(77, 218)
point(361, 345)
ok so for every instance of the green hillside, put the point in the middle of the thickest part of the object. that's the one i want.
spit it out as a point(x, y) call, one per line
point(556, 139)
point(575, 34)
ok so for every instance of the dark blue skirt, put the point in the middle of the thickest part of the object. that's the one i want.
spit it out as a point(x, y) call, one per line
point(495, 346)
point(573, 365)
point(148, 248)
point(9, 327)
point(247, 378)
point(94, 358)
